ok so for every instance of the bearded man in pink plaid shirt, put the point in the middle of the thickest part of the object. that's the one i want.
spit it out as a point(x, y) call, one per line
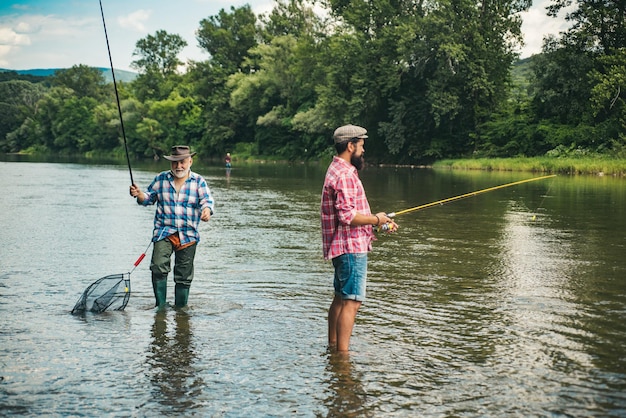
point(347, 232)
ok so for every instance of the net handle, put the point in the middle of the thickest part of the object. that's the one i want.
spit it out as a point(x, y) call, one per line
point(140, 259)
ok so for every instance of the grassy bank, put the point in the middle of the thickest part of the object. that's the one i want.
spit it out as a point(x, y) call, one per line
point(583, 165)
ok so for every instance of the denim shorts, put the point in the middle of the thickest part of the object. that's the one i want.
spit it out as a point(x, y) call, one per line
point(350, 276)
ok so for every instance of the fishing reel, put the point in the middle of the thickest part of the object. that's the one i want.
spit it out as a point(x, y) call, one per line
point(388, 227)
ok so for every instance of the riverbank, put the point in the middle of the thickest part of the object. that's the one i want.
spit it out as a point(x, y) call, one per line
point(587, 165)
point(597, 166)
point(584, 165)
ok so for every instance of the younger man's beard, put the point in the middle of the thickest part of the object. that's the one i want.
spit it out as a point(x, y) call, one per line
point(357, 162)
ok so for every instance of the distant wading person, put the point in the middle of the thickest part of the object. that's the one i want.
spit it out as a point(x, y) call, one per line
point(183, 199)
point(347, 232)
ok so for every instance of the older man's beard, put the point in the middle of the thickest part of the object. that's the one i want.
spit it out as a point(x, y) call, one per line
point(357, 162)
point(181, 174)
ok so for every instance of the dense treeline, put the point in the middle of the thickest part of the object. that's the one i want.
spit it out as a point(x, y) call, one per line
point(429, 80)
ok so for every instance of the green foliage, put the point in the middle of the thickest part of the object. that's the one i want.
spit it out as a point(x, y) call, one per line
point(74, 125)
point(579, 163)
point(574, 100)
point(228, 37)
point(428, 80)
point(608, 96)
point(18, 99)
point(245, 150)
point(158, 65)
point(598, 25)
point(158, 53)
point(9, 75)
point(83, 80)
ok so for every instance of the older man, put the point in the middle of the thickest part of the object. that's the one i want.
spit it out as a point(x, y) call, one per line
point(183, 199)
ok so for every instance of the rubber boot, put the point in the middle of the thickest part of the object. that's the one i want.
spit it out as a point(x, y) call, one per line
point(159, 285)
point(181, 295)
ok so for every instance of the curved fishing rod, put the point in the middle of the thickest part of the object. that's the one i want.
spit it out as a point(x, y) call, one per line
point(463, 196)
point(117, 97)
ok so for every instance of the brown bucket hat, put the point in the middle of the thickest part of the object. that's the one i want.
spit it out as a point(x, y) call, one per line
point(180, 152)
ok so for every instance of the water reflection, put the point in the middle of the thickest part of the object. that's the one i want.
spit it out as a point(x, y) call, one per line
point(347, 395)
point(171, 357)
point(543, 334)
point(475, 310)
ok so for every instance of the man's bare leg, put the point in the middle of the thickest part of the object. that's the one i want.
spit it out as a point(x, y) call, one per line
point(333, 317)
point(345, 323)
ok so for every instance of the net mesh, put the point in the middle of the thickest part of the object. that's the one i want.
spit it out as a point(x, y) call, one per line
point(109, 292)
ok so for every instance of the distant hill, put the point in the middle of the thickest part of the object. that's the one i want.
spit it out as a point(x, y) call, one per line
point(120, 75)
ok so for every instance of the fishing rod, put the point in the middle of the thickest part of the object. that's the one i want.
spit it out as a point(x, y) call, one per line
point(117, 97)
point(463, 196)
point(110, 292)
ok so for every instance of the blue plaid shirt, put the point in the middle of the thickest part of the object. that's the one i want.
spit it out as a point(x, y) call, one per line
point(178, 212)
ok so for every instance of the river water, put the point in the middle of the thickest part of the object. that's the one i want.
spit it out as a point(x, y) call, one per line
point(509, 303)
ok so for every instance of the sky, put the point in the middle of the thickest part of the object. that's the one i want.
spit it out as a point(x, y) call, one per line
point(64, 33)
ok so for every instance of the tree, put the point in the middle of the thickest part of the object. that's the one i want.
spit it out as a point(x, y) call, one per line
point(422, 76)
point(283, 85)
point(227, 37)
point(175, 120)
point(74, 126)
point(293, 17)
point(269, 95)
point(158, 65)
point(18, 100)
point(159, 53)
point(85, 81)
point(608, 95)
point(212, 96)
point(597, 25)
point(578, 77)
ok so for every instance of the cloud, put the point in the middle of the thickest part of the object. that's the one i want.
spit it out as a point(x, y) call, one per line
point(4, 50)
point(135, 21)
point(537, 25)
point(10, 38)
point(45, 41)
point(10, 42)
point(22, 7)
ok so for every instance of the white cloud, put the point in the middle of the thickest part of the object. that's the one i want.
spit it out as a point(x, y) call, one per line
point(9, 37)
point(47, 41)
point(10, 43)
point(24, 27)
point(4, 51)
point(135, 21)
point(537, 25)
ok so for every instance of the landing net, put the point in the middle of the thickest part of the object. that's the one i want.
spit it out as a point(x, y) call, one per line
point(110, 292)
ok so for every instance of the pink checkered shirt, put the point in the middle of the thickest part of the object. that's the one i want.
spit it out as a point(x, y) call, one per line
point(342, 197)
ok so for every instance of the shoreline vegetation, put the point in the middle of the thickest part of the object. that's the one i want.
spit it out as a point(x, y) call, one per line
point(588, 165)
point(596, 166)
point(593, 166)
